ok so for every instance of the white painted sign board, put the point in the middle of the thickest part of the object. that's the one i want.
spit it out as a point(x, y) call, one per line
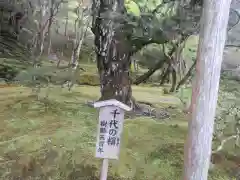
point(109, 132)
point(110, 126)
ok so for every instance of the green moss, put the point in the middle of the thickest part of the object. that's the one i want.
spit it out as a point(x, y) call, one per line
point(56, 136)
point(88, 79)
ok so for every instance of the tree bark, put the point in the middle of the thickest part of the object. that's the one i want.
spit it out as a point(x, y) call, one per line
point(51, 10)
point(78, 37)
point(205, 92)
point(174, 79)
point(75, 66)
point(113, 50)
point(41, 32)
point(135, 65)
point(165, 75)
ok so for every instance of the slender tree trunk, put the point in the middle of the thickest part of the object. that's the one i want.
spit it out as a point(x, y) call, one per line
point(113, 50)
point(75, 55)
point(50, 26)
point(159, 64)
point(66, 26)
point(165, 75)
point(79, 42)
point(205, 92)
point(186, 77)
point(40, 36)
point(59, 62)
point(80, 33)
point(174, 79)
point(150, 72)
point(135, 65)
point(76, 69)
point(65, 46)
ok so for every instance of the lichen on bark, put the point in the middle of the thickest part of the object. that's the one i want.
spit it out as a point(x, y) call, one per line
point(113, 50)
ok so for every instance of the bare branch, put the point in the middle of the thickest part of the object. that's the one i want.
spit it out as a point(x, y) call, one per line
point(232, 45)
point(224, 141)
point(161, 5)
point(238, 19)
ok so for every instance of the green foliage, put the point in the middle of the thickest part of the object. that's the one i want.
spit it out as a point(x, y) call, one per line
point(7, 72)
point(46, 75)
point(165, 90)
point(41, 74)
point(132, 8)
point(150, 5)
point(11, 47)
point(228, 111)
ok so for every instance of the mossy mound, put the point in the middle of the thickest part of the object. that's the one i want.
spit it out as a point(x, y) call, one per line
point(88, 79)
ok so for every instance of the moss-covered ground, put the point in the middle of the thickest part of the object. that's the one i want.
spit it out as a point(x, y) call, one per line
point(54, 138)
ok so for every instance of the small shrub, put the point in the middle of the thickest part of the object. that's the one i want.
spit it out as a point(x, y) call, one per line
point(165, 91)
point(88, 79)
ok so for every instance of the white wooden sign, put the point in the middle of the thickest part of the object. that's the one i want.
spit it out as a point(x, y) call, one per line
point(109, 132)
point(110, 126)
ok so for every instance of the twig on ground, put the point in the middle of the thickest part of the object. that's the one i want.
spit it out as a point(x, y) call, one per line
point(224, 141)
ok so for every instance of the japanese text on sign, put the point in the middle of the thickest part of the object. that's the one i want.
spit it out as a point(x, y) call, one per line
point(109, 132)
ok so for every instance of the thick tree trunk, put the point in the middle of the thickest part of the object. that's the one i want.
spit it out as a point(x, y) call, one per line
point(113, 50)
point(205, 92)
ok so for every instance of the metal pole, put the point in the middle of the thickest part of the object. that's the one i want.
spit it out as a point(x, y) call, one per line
point(104, 171)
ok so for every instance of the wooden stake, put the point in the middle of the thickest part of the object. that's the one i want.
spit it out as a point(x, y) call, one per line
point(104, 171)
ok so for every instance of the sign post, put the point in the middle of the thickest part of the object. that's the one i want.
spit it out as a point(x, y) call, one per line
point(110, 126)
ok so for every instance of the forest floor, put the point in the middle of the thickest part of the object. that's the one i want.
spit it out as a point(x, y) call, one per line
point(54, 138)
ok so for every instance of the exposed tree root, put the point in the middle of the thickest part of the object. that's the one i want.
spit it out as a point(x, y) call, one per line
point(141, 108)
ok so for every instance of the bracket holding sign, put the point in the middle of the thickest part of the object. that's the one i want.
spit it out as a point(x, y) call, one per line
point(110, 126)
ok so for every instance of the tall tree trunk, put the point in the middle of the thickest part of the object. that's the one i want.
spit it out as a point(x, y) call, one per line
point(50, 26)
point(76, 41)
point(65, 46)
point(76, 67)
point(113, 50)
point(205, 92)
point(80, 34)
point(40, 36)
